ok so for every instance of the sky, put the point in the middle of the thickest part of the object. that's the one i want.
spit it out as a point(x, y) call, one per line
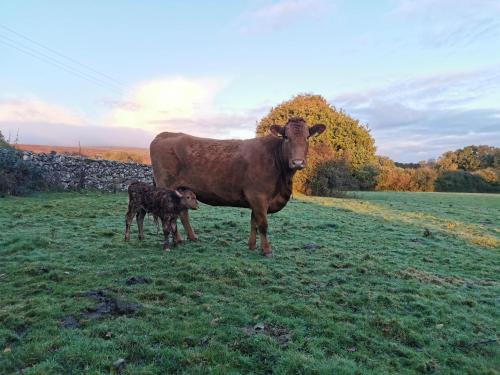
point(424, 75)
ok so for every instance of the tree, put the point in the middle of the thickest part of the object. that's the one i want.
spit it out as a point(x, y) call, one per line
point(448, 161)
point(344, 138)
point(468, 159)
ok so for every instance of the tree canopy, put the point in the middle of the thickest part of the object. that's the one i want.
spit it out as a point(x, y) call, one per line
point(470, 158)
point(345, 135)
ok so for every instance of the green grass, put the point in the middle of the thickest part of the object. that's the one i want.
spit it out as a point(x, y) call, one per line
point(376, 296)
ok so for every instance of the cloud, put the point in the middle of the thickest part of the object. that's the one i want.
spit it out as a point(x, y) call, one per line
point(450, 89)
point(185, 105)
point(279, 14)
point(422, 117)
point(176, 104)
point(450, 23)
point(35, 110)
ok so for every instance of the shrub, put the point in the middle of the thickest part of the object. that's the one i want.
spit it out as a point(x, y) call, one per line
point(3, 142)
point(406, 179)
point(18, 177)
point(490, 175)
point(333, 177)
point(424, 179)
point(367, 176)
point(463, 181)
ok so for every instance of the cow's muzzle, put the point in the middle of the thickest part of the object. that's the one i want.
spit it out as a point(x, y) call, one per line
point(298, 164)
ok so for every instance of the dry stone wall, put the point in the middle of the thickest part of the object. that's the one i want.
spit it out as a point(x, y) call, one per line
point(73, 172)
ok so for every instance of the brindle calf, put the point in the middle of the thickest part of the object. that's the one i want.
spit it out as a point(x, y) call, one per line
point(161, 203)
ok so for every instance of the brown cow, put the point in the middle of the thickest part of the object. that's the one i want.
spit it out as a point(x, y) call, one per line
point(163, 204)
point(253, 173)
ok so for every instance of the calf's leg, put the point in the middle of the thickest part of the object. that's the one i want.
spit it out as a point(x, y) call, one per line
point(140, 223)
point(175, 232)
point(167, 227)
point(129, 217)
point(184, 215)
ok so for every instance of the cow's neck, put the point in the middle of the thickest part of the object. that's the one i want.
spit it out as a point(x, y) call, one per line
point(285, 182)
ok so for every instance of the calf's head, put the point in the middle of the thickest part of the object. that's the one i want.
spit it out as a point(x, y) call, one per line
point(187, 198)
point(296, 134)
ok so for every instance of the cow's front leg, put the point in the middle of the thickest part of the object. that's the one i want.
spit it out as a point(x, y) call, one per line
point(252, 241)
point(184, 215)
point(259, 207)
point(261, 218)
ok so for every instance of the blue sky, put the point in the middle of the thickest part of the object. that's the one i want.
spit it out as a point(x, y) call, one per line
point(424, 74)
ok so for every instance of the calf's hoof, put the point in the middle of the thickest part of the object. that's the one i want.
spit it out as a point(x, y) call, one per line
point(127, 238)
point(268, 255)
point(193, 237)
point(251, 246)
point(166, 249)
point(141, 238)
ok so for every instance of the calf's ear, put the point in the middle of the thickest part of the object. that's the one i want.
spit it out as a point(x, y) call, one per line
point(178, 193)
point(278, 131)
point(316, 129)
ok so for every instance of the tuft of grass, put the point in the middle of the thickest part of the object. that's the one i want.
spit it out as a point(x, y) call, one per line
point(384, 283)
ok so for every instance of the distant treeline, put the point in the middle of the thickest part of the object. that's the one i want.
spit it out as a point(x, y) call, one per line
point(473, 169)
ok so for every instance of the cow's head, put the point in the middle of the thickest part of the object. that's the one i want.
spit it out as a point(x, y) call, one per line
point(296, 134)
point(188, 198)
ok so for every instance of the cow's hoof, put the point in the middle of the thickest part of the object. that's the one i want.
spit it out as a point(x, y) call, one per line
point(166, 249)
point(193, 238)
point(252, 246)
point(141, 238)
point(127, 239)
point(268, 255)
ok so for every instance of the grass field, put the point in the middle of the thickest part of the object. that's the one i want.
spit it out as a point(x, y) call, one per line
point(386, 283)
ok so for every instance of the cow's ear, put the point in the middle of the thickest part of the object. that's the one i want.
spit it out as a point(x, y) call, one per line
point(278, 131)
point(316, 129)
point(178, 193)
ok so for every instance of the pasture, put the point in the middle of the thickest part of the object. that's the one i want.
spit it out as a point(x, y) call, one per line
point(385, 283)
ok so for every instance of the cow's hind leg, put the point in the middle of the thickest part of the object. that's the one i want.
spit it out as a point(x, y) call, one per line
point(129, 217)
point(140, 223)
point(184, 215)
point(252, 241)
